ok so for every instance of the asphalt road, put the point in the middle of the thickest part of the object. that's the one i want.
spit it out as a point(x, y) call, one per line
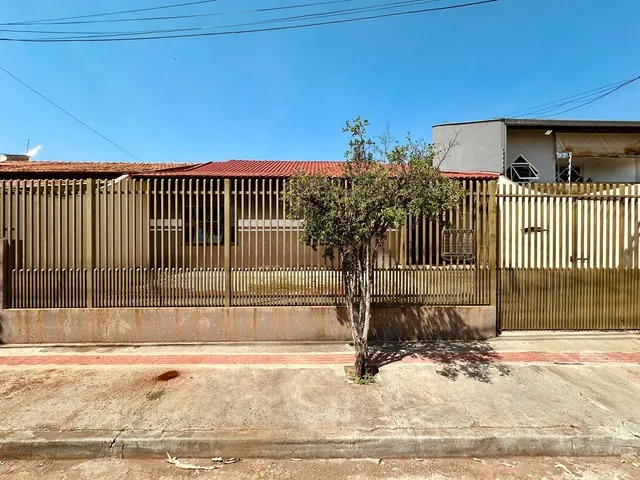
point(605, 468)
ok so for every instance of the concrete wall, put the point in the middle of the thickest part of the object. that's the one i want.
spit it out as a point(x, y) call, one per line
point(479, 149)
point(535, 146)
point(239, 324)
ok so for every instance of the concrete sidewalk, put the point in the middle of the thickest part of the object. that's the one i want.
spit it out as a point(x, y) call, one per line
point(578, 396)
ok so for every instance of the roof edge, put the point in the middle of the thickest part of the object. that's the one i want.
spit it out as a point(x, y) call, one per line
point(546, 122)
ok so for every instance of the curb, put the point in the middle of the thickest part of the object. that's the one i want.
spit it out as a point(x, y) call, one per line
point(287, 444)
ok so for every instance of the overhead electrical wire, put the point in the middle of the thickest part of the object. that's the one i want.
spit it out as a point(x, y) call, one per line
point(549, 106)
point(68, 113)
point(120, 12)
point(551, 109)
point(134, 37)
point(173, 17)
point(334, 13)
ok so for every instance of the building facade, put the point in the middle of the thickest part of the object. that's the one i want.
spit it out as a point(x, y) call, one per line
point(530, 151)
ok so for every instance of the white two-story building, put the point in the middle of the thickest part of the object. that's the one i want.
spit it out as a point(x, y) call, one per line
point(528, 150)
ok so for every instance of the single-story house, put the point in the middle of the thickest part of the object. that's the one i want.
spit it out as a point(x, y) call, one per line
point(182, 227)
point(22, 167)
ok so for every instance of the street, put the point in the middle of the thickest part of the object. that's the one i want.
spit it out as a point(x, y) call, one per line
point(562, 468)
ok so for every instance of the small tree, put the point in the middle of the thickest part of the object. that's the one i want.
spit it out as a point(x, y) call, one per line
point(379, 186)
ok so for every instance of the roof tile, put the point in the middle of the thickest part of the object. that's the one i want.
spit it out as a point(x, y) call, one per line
point(281, 169)
point(97, 168)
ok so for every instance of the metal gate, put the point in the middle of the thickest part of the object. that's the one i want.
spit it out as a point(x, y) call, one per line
point(569, 256)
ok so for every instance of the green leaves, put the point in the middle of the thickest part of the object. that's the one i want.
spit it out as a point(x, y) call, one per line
point(379, 186)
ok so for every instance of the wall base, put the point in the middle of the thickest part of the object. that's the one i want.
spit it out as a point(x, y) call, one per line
point(240, 324)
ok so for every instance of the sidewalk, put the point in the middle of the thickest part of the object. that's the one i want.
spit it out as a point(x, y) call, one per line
point(520, 394)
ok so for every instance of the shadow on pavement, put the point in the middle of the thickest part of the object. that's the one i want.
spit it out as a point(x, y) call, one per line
point(476, 360)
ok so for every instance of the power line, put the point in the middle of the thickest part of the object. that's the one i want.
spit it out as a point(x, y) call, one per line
point(121, 12)
point(173, 17)
point(543, 107)
point(615, 89)
point(334, 13)
point(68, 113)
point(256, 30)
point(550, 109)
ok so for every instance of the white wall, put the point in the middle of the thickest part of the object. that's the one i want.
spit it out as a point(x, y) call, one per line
point(479, 148)
point(535, 146)
point(608, 169)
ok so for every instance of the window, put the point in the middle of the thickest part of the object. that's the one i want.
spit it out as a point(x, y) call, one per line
point(521, 171)
point(562, 173)
point(206, 225)
point(458, 244)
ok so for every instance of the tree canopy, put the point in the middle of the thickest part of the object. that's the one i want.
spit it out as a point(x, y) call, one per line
point(381, 183)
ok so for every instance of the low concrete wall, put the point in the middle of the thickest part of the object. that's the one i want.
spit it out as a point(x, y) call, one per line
point(239, 324)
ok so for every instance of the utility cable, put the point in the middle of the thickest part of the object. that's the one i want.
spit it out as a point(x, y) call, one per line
point(334, 13)
point(121, 12)
point(174, 17)
point(549, 109)
point(246, 31)
point(68, 113)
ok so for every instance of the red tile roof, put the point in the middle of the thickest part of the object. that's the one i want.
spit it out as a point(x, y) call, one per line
point(280, 169)
point(43, 168)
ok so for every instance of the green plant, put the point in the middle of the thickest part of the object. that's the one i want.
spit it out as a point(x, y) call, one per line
point(366, 379)
point(381, 183)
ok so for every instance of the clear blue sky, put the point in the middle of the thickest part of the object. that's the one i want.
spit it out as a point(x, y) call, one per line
point(286, 95)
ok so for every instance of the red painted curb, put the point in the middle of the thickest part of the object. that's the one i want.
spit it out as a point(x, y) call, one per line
point(324, 358)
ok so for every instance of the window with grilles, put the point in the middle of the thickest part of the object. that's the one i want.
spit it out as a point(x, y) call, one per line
point(458, 244)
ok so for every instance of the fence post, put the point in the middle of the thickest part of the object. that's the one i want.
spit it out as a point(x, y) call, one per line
point(5, 274)
point(493, 244)
point(89, 238)
point(227, 242)
point(402, 261)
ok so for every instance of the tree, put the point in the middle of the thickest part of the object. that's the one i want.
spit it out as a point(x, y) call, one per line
point(381, 183)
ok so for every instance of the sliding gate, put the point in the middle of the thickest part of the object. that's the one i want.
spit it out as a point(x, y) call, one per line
point(569, 256)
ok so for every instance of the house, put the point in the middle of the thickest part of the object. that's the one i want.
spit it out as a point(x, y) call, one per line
point(21, 167)
point(261, 234)
point(183, 235)
point(217, 234)
point(530, 150)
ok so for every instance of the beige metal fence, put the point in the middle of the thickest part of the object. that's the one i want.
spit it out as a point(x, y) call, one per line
point(570, 256)
point(221, 242)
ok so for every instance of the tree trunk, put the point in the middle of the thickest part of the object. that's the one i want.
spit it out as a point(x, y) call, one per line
point(361, 361)
point(357, 270)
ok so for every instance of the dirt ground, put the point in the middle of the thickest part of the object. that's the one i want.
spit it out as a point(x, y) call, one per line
point(600, 468)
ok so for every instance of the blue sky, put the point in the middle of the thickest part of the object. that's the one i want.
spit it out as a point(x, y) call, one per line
point(286, 95)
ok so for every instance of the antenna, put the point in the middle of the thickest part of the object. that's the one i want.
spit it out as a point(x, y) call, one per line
point(27, 149)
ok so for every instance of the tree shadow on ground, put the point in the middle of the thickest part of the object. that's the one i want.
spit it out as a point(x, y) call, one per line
point(473, 359)
point(437, 334)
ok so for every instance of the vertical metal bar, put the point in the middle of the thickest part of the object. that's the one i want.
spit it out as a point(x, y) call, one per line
point(264, 223)
point(234, 216)
point(196, 216)
point(249, 225)
point(192, 241)
point(212, 216)
point(227, 242)
point(89, 246)
point(257, 215)
point(219, 247)
point(277, 239)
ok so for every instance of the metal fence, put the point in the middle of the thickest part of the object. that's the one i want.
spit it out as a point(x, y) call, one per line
point(569, 256)
point(221, 242)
